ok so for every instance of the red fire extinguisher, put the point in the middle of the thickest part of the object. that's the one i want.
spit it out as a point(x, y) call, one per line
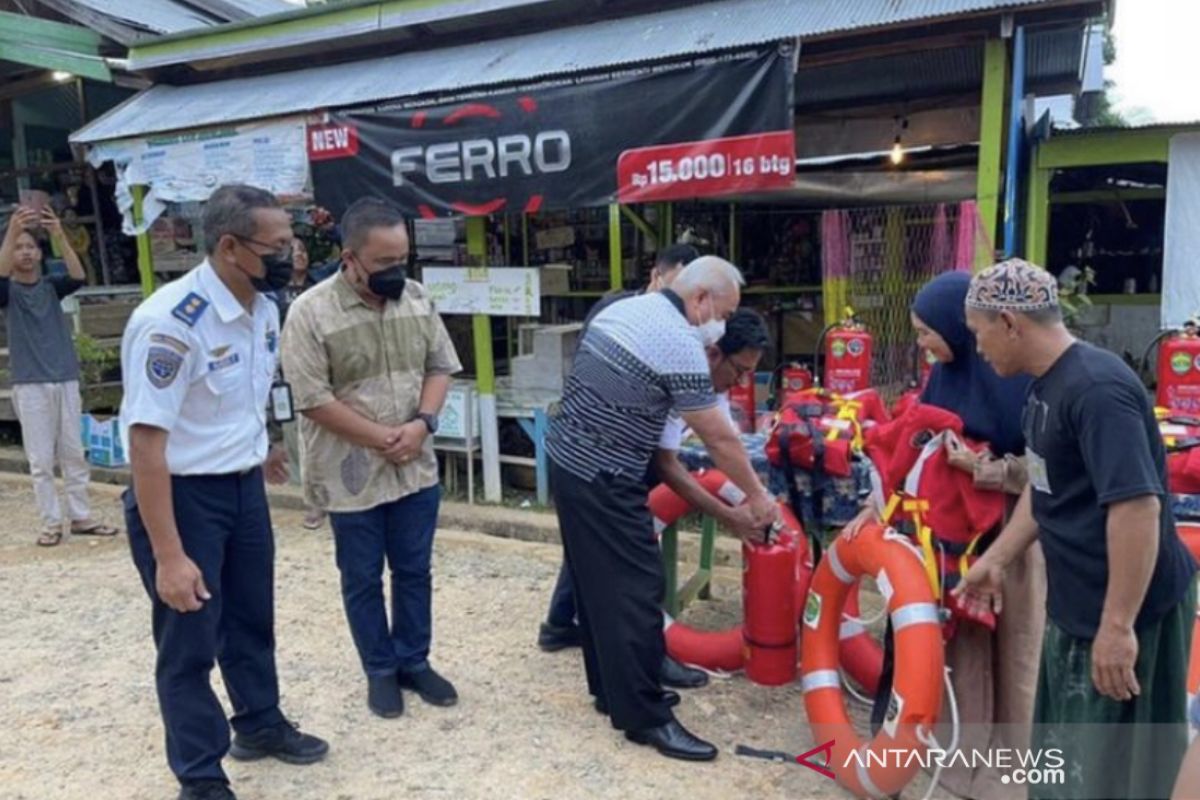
point(741, 401)
point(847, 351)
point(1178, 369)
point(769, 609)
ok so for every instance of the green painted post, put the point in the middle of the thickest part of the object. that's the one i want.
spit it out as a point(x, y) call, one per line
point(1037, 221)
point(485, 370)
point(670, 562)
point(616, 269)
point(708, 541)
point(991, 144)
point(145, 257)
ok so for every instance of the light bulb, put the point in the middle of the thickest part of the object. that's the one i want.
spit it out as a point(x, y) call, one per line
point(62, 76)
point(897, 155)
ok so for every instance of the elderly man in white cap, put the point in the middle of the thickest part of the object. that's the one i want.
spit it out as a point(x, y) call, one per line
point(1111, 691)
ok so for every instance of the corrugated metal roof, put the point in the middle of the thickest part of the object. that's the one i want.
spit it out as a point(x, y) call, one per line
point(676, 33)
point(804, 18)
point(899, 77)
point(170, 16)
point(1053, 56)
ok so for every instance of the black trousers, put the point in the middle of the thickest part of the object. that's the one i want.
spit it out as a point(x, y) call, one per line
point(608, 541)
point(225, 527)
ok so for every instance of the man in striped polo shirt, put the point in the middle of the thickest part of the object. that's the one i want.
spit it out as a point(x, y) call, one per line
point(639, 360)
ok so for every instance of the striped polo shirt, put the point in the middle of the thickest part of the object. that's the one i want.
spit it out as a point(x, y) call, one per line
point(639, 359)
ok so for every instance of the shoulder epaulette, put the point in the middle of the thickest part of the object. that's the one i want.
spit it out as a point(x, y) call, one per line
point(190, 309)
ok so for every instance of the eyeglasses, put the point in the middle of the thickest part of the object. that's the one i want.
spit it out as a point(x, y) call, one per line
point(271, 249)
point(740, 370)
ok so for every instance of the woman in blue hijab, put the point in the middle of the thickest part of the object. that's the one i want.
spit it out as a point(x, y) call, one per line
point(995, 672)
point(962, 382)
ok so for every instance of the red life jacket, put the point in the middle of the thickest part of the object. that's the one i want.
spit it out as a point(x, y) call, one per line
point(1183, 466)
point(933, 500)
point(820, 431)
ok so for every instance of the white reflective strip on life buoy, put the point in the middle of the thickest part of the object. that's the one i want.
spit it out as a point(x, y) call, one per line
point(731, 494)
point(850, 628)
point(668, 621)
point(821, 679)
point(835, 564)
point(915, 614)
point(864, 775)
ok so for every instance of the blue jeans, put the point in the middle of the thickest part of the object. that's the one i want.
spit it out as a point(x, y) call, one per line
point(401, 532)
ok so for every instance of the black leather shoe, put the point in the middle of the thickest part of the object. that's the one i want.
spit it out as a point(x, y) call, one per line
point(206, 790)
point(669, 697)
point(384, 697)
point(674, 741)
point(433, 688)
point(283, 741)
point(678, 676)
point(553, 638)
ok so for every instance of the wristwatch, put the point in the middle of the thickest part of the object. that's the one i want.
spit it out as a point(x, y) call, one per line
point(430, 420)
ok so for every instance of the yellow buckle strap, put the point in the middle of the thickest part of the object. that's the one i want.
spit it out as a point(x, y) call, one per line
point(963, 564)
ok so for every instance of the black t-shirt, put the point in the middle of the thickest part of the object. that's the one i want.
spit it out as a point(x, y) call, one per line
point(1092, 441)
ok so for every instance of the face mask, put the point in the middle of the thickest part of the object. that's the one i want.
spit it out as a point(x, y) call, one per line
point(388, 283)
point(712, 331)
point(279, 273)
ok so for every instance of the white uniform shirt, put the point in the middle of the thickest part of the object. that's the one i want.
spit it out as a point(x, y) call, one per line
point(198, 366)
point(676, 429)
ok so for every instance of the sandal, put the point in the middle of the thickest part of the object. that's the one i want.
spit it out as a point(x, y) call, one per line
point(49, 537)
point(94, 529)
point(313, 520)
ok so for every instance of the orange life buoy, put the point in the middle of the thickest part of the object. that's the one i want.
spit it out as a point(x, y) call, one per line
point(860, 653)
point(1189, 532)
point(869, 769)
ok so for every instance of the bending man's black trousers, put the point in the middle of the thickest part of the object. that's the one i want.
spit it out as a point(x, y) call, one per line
point(608, 540)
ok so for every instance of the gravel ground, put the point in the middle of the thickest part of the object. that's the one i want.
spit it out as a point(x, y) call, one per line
point(79, 719)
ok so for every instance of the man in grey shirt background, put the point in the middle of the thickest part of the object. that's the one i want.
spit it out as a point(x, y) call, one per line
point(45, 372)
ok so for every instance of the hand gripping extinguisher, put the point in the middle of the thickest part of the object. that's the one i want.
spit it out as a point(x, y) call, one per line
point(769, 608)
point(1178, 370)
point(846, 347)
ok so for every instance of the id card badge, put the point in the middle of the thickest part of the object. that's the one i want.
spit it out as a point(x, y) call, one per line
point(281, 402)
point(1039, 476)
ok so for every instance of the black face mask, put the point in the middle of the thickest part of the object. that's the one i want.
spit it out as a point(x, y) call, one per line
point(388, 283)
point(279, 272)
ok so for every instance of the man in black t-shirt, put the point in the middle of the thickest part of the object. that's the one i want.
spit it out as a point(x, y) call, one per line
point(1121, 596)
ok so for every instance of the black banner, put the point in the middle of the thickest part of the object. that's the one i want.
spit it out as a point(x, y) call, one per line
point(694, 131)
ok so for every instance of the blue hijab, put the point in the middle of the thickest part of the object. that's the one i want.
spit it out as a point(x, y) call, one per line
point(990, 406)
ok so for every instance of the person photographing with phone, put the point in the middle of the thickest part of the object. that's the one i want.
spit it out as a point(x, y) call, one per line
point(45, 371)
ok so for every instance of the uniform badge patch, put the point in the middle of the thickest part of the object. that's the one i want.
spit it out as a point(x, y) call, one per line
point(162, 366)
point(169, 341)
point(190, 309)
point(272, 340)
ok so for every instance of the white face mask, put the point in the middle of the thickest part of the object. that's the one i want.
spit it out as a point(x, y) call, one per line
point(712, 331)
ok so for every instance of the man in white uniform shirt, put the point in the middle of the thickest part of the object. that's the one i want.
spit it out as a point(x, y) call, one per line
point(199, 358)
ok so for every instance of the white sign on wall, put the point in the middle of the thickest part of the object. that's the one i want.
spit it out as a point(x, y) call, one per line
point(495, 291)
point(460, 415)
point(1181, 245)
point(188, 167)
